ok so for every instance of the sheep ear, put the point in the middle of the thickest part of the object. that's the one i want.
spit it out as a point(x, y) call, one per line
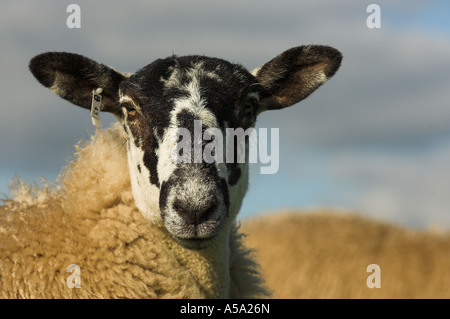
point(295, 74)
point(73, 77)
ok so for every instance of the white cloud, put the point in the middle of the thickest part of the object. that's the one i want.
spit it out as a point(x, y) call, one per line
point(405, 186)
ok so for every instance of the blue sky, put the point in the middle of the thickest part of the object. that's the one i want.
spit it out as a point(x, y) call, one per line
point(374, 140)
point(430, 17)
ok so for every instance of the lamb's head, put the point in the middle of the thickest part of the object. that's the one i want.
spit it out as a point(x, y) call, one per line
point(177, 114)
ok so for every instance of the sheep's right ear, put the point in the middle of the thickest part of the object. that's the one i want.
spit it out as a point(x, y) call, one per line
point(73, 77)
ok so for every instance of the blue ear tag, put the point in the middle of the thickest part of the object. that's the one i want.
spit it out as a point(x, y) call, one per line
point(96, 107)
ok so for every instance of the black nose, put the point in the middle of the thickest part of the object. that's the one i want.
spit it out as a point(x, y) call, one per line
point(195, 213)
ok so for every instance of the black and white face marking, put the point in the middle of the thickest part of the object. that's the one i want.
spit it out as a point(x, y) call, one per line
point(194, 201)
point(194, 198)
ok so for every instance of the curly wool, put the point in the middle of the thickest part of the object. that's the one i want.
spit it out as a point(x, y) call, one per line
point(89, 219)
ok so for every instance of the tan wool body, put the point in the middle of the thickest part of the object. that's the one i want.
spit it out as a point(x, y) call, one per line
point(90, 220)
point(325, 254)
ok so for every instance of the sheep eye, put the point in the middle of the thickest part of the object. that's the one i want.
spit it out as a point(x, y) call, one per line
point(131, 112)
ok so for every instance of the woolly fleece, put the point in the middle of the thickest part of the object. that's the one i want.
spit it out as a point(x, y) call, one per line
point(89, 219)
point(325, 254)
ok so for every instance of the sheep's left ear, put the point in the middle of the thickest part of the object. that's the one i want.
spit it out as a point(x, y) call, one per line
point(295, 74)
point(73, 77)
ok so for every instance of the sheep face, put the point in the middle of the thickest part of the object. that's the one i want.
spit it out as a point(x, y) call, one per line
point(187, 171)
point(168, 109)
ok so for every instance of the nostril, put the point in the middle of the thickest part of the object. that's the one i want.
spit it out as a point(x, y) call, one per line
point(177, 206)
point(211, 209)
point(180, 207)
point(206, 215)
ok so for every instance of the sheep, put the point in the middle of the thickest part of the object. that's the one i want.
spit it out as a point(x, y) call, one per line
point(131, 218)
point(330, 254)
point(44, 231)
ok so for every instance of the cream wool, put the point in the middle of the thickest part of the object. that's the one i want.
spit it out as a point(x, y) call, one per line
point(90, 220)
point(325, 254)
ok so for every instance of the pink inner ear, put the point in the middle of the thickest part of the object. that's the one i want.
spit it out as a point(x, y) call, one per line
point(296, 73)
point(301, 83)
